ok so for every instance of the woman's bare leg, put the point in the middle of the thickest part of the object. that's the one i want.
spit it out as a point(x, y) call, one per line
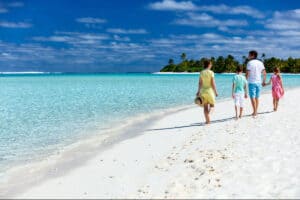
point(206, 113)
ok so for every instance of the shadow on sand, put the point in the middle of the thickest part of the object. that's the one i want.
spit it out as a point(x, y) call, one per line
point(203, 124)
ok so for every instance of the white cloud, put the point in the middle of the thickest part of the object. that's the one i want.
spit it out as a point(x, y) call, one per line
point(6, 24)
point(123, 39)
point(205, 20)
point(126, 31)
point(53, 39)
point(234, 10)
point(172, 5)
point(287, 20)
point(116, 49)
point(15, 4)
point(4, 6)
point(289, 33)
point(88, 36)
point(3, 10)
point(212, 44)
point(91, 20)
point(83, 50)
point(74, 38)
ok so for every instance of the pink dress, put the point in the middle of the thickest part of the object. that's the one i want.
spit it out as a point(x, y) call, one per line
point(277, 90)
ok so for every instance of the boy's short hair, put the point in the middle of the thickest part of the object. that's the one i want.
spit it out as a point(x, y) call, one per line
point(240, 68)
point(253, 53)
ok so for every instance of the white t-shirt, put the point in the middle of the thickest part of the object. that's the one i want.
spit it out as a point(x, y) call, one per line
point(255, 68)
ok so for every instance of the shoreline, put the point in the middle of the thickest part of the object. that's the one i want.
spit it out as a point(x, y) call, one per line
point(74, 73)
point(58, 161)
point(70, 172)
point(225, 73)
point(100, 141)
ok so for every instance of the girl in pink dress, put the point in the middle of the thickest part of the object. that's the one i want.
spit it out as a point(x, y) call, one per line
point(277, 87)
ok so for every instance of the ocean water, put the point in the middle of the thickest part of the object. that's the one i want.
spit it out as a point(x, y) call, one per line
point(41, 113)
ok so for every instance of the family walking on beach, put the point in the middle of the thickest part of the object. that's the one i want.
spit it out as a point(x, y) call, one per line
point(241, 85)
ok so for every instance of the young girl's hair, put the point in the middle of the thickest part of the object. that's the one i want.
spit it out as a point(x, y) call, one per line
point(206, 63)
point(240, 68)
point(276, 70)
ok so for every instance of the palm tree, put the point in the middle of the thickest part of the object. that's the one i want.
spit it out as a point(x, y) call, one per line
point(245, 60)
point(263, 56)
point(171, 61)
point(183, 56)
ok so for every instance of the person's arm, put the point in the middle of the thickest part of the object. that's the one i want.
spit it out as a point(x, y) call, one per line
point(213, 83)
point(247, 71)
point(199, 86)
point(247, 74)
point(246, 90)
point(265, 76)
point(281, 83)
point(233, 88)
point(268, 83)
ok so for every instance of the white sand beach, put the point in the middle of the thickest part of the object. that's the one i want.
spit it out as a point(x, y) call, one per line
point(179, 157)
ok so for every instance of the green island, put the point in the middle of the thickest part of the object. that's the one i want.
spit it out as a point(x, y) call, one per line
point(229, 64)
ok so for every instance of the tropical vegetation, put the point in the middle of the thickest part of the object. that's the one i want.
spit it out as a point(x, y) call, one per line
point(229, 64)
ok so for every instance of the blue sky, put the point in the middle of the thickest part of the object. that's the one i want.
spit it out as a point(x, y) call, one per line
point(140, 36)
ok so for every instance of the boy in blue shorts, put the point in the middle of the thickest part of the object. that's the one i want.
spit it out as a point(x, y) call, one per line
point(239, 91)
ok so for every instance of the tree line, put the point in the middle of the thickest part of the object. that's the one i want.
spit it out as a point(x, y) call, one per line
point(229, 64)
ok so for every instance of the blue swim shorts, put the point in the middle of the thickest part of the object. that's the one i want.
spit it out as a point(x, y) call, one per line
point(254, 90)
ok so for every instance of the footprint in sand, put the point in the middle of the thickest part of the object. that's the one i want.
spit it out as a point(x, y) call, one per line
point(188, 161)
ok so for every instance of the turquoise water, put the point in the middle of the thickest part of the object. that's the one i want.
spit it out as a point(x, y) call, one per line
point(39, 114)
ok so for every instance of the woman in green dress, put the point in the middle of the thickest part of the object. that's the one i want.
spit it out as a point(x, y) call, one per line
point(207, 89)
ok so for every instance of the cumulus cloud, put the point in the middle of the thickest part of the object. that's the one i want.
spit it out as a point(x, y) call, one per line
point(73, 38)
point(277, 36)
point(126, 31)
point(286, 20)
point(205, 20)
point(119, 38)
point(85, 49)
point(3, 10)
point(233, 10)
point(91, 20)
point(172, 5)
point(4, 7)
point(53, 39)
point(6, 24)
point(15, 4)
point(213, 44)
